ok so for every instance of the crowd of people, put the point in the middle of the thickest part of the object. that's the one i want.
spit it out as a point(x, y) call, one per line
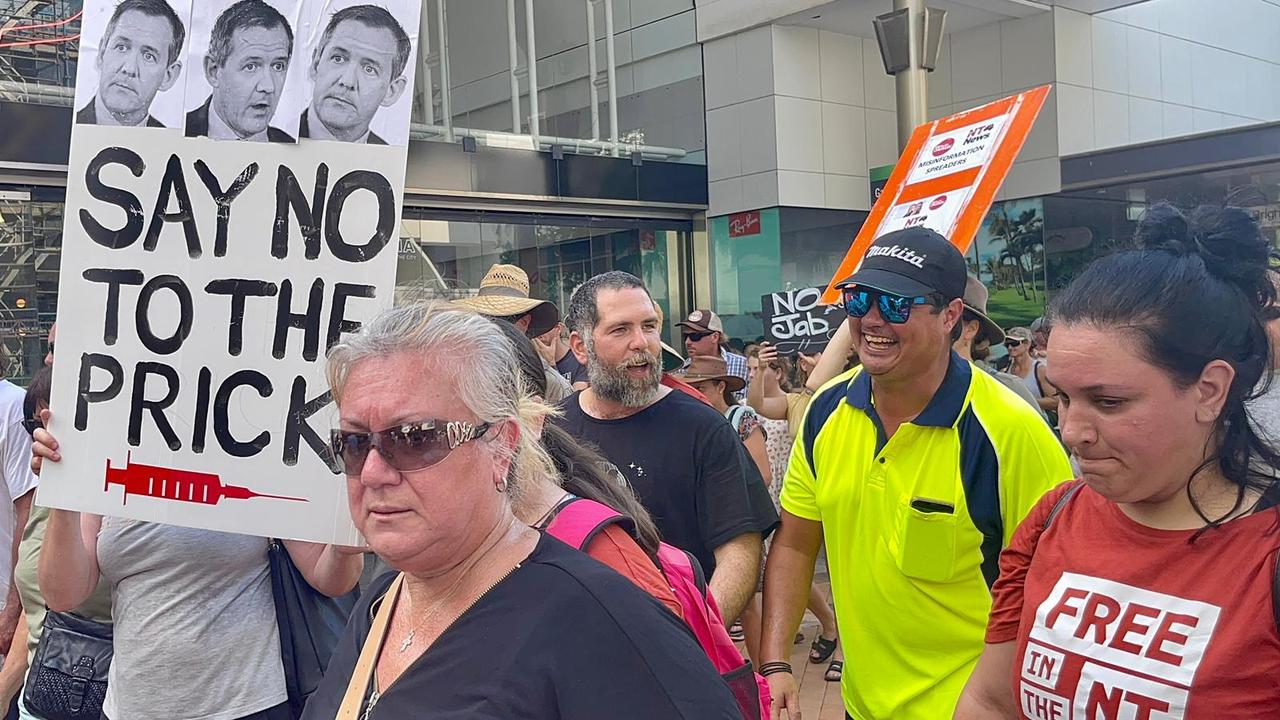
point(567, 529)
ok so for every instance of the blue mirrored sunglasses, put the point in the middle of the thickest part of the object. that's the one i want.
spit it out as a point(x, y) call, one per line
point(895, 309)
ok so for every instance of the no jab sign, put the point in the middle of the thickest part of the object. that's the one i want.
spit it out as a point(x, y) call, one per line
point(796, 321)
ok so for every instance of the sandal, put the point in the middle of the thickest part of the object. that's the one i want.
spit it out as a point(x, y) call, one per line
point(822, 648)
point(834, 671)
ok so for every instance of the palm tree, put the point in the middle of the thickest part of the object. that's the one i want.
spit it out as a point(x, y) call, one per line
point(1009, 257)
point(1003, 226)
point(1027, 242)
point(993, 269)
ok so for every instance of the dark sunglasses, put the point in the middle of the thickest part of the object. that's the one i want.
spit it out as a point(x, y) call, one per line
point(893, 308)
point(696, 337)
point(408, 447)
point(1013, 342)
point(31, 425)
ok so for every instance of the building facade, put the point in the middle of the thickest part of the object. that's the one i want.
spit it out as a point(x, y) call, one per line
point(602, 168)
point(1154, 100)
point(726, 149)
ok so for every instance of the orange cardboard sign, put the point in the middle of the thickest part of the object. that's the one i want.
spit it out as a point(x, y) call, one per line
point(948, 175)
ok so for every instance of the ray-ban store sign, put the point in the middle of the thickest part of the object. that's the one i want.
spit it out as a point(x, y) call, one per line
point(744, 223)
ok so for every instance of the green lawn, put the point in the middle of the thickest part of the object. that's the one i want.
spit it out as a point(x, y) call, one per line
point(1007, 308)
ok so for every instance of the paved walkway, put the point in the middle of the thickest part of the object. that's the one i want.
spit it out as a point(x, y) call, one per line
point(819, 699)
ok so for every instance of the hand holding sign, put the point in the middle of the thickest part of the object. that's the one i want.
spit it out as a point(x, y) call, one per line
point(43, 445)
point(948, 175)
point(808, 362)
point(768, 353)
point(206, 279)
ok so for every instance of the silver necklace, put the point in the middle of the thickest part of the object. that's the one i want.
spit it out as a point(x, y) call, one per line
point(404, 644)
point(435, 610)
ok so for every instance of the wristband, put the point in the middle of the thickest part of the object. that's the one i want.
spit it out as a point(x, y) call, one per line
point(773, 668)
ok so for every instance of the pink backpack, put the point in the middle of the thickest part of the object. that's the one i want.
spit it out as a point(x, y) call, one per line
point(577, 524)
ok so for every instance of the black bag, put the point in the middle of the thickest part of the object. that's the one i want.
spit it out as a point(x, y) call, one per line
point(310, 625)
point(68, 677)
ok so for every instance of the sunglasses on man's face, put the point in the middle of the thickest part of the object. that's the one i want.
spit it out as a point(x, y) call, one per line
point(696, 337)
point(408, 447)
point(895, 309)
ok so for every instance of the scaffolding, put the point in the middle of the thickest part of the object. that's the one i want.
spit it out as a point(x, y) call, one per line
point(39, 44)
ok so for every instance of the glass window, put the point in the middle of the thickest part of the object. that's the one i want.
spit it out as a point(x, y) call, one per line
point(1008, 255)
point(761, 252)
point(30, 249)
point(658, 73)
point(1081, 228)
point(814, 242)
point(455, 250)
point(746, 264)
point(1085, 223)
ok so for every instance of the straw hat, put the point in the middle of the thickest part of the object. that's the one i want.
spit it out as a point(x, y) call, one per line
point(671, 358)
point(504, 292)
point(702, 368)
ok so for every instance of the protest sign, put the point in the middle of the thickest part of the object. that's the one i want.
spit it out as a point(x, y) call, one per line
point(948, 175)
point(796, 321)
point(205, 274)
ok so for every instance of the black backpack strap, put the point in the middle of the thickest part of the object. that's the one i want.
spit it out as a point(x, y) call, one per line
point(1062, 502)
point(699, 575)
point(1035, 373)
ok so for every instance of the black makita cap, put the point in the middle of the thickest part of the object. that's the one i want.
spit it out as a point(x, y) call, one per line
point(911, 262)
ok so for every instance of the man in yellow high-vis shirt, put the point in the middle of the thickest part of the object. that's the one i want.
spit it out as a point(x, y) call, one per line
point(915, 468)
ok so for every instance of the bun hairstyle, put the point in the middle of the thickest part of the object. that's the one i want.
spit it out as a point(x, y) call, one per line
point(1227, 241)
point(1193, 289)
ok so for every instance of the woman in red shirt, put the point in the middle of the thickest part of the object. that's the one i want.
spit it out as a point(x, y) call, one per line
point(1146, 589)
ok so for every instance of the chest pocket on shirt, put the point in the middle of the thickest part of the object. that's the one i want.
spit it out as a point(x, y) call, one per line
point(927, 539)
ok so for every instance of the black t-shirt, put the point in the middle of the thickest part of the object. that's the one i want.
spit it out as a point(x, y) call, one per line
point(571, 369)
point(689, 468)
point(561, 638)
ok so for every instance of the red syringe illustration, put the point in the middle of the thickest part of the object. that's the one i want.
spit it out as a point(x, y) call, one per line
point(181, 485)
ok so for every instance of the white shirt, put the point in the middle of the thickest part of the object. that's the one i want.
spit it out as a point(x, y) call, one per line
point(219, 130)
point(105, 116)
point(15, 462)
point(318, 131)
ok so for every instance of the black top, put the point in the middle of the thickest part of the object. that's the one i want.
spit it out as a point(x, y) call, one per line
point(198, 124)
point(563, 637)
point(571, 369)
point(304, 131)
point(689, 468)
point(88, 115)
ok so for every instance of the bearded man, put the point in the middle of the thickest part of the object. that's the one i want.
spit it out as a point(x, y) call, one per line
point(683, 459)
